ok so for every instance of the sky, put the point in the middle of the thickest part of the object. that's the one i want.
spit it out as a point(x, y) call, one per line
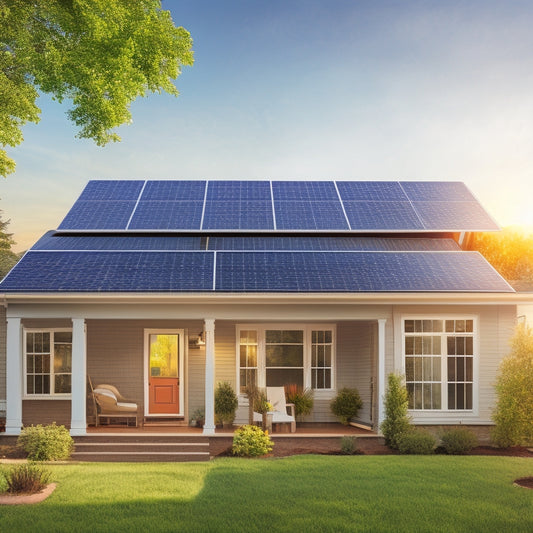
point(308, 89)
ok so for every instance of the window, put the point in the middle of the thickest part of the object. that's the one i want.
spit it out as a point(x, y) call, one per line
point(439, 363)
point(277, 356)
point(48, 360)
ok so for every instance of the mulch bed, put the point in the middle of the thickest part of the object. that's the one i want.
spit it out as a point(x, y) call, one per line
point(526, 482)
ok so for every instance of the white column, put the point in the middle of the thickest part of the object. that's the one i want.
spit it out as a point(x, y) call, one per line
point(381, 370)
point(209, 329)
point(14, 377)
point(78, 422)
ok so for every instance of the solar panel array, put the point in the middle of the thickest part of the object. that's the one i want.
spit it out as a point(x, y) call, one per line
point(281, 206)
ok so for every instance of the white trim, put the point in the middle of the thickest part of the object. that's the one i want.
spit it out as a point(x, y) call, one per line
point(435, 415)
point(146, 366)
point(209, 423)
point(78, 379)
point(381, 370)
point(14, 371)
point(307, 329)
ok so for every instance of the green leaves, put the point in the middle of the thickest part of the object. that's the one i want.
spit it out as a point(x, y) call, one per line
point(100, 54)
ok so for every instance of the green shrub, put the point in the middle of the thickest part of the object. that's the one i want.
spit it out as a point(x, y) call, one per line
point(458, 441)
point(251, 441)
point(226, 402)
point(302, 399)
point(514, 388)
point(46, 443)
point(26, 478)
point(417, 442)
point(349, 445)
point(397, 421)
point(346, 405)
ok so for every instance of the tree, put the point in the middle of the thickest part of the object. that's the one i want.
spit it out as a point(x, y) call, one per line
point(514, 410)
point(397, 421)
point(100, 54)
point(8, 258)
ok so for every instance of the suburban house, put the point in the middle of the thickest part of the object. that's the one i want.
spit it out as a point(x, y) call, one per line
point(165, 288)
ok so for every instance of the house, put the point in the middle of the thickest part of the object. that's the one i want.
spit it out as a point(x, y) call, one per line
point(164, 288)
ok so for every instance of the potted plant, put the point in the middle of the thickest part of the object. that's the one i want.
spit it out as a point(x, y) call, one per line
point(301, 398)
point(198, 417)
point(226, 403)
point(346, 405)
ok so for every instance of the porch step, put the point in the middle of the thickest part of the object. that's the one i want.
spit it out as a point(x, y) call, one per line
point(141, 448)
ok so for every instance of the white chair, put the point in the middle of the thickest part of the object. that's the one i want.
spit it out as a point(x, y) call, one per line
point(276, 396)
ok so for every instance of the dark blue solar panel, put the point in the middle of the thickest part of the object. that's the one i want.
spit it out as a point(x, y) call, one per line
point(102, 190)
point(238, 190)
point(313, 191)
point(174, 190)
point(457, 216)
point(382, 215)
point(310, 216)
point(159, 215)
point(231, 214)
point(356, 272)
point(104, 215)
point(112, 272)
point(333, 243)
point(119, 242)
point(384, 191)
point(441, 191)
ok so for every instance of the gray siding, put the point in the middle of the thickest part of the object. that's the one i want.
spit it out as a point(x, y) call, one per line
point(3, 329)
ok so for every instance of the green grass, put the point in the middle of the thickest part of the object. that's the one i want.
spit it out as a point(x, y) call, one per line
point(300, 493)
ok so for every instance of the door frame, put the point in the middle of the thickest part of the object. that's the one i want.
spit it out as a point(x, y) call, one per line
point(181, 369)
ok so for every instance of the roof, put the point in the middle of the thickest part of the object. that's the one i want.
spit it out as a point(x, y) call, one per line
point(197, 237)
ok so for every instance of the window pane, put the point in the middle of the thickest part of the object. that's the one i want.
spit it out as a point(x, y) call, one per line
point(409, 345)
point(273, 336)
point(63, 358)
point(418, 396)
point(247, 377)
point(411, 393)
point(62, 383)
point(460, 345)
point(451, 369)
point(437, 326)
point(63, 336)
point(284, 376)
point(469, 346)
point(436, 346)
point(248, 337)
point(450, 326)
point(469, 372)
point(29, 385)
point(418, 326)
point(30, 342)
point(437, 388)
point(418, 368)
point(288, 355)
point(470, 326)
point(292, 337)
point(30, 364)
point(409, 369)
point(427, 326)
point(451, 345)
point(436, 369)
point(418, 345)
point(427, 371)
point(468, 396)
point(460, 396)
point(451, 395)
point(460, 369)
point(409, 326)
point(426, 345)
point(460, 326)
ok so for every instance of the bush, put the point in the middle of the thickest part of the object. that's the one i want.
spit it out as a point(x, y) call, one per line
point(226, 402)
point(458, 441)
point(251, 441)
point(302, 399)
point(26, 478)
point(349, 445)
point(346, 405)
point(417, 442)
point(514, 388)
point(397, 421)
point(46, 443)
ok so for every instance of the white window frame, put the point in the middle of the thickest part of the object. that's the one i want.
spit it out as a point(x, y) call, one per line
point(261, 353)
point(443, 414)
point(50, 395)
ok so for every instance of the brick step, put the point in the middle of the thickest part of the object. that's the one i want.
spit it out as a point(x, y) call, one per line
point(137, 438)
point(140, 448)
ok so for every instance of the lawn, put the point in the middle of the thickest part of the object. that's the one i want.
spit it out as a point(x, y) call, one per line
point(299, 493)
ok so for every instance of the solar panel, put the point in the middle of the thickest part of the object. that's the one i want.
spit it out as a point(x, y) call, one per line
point(301, 215)
point(98, 215)
point(373, 215)
point(458, 216)
point(384, 191)
point(167, 215)
point(103, 191)
point(174, 190)
point(440, 191)
point(112, 272)
point(238, 190)
point(356, 272)
point(238, 214)
point(313, 191)
point(51, 241)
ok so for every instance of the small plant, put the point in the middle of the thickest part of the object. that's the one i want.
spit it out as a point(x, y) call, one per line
point(349, 445)
point(46, 443)
point(417, 442)
point(226, 402)
point(346, 405)
point(251, 441)
point(199, 417)
point(261, 403)
point(397, 421)
point(458, 441)
point(301, 398)
point(26, 478)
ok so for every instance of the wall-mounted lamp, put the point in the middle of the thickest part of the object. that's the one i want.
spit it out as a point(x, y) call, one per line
point(196, 342)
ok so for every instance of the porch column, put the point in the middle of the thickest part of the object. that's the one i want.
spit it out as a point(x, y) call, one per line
point(14, 380)
point(78, 422)
point(381, 370)
point(209, 329)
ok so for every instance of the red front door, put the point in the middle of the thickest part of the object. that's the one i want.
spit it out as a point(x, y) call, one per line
point(163, 374)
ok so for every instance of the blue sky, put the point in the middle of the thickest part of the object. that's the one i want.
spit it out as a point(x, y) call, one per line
point(410, 90)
